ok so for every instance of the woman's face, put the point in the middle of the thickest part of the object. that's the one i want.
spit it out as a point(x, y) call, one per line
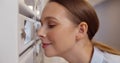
point(57, 31)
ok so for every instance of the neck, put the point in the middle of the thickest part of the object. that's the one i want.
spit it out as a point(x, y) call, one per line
point(80, 53)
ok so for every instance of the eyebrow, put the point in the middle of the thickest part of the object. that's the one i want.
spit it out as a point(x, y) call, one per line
point(49, 17)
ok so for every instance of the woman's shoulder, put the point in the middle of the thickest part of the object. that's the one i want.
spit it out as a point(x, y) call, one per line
point(111, 58)
point(100, 56)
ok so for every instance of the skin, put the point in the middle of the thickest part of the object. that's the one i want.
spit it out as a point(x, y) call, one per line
point(61, 37)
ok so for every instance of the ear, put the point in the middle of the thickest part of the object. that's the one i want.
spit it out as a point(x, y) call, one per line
point(81, 30)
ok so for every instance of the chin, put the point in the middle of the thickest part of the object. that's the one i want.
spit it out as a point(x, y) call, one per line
point(50, 54)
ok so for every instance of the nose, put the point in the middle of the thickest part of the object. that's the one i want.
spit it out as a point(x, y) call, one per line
point(41, 33)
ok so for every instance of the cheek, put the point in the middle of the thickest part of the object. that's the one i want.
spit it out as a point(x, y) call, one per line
point(62, 39)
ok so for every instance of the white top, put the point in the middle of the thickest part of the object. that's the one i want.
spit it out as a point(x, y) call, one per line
point(104, 57)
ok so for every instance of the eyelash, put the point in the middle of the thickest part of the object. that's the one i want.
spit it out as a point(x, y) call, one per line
point(51, 26)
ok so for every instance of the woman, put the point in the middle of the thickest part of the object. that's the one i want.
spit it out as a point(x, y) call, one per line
point(68, 27)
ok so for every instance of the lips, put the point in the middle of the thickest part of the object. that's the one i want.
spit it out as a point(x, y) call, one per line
point(44, 45)
point(45, 42)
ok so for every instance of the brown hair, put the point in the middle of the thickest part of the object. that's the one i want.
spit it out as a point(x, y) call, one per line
point(82, 11)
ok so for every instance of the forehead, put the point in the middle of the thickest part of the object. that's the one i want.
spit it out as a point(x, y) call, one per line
point(53, 9)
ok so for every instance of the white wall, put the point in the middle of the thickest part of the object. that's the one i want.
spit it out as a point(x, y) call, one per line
point(95, 2)
point(8, 31)
point(109, 16)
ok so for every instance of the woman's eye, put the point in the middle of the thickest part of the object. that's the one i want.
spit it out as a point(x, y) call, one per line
point(51, 26)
